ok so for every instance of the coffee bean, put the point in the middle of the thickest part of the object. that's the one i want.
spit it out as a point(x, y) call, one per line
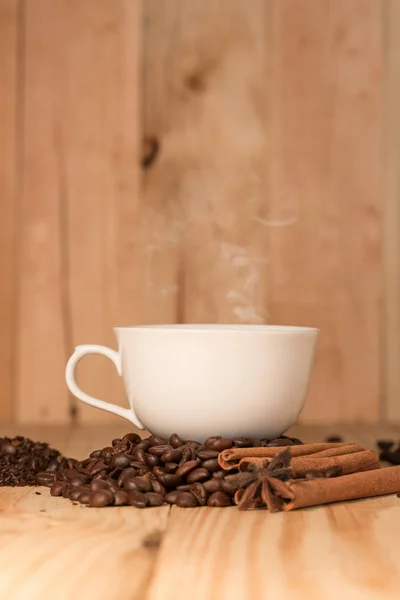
point(139, 455)
point(126, 474)
point(158, 487)
point(130, 484)
point(155, 440)
point(53, 466)
point(207, 454)
point(219, 499)
point(200, 493)
point(210, 441)
point(212, 485)
point(192, 444)
point(175, 441)
point(222, 444)
point(186, 467)
point(158, 472)
point(334, 471)
point(135, 464)
point(188, 454)
point(98, 484)
point(160, 450)
point(120, 498)
point(7, 449)
point(154, 499)
point(46, 478)
point(172, 497)
point(219, 474)
point(57, 489)
point(66, 490)
point(120, 460)
point(97, 467)
point(107, 452)
point(84, 498)
point(200, 474)
point(152, 460)
point(101, 498)
point(114, 474)
point(95, 454)
point(174, 455)
point(143, 483)
point(186, 500)
point(241, 442)
point(115, 442)
point(170, 467)
point(280, 442)
point(390, 457)
point(211, 465)
point(229, 486)
point(169, 480)
point(112, 485)
point(101, 474)
point(313, 474)
point(134, 438)
point(74, 494)
point(71, 463)
point(186, 487)
point(334, 439)
point(78, 479)
point(385, 444)
point(296, 442)
point(144, 445)
point(137, 499)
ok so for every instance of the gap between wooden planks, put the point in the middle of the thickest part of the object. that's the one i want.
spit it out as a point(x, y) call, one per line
point(53, 549)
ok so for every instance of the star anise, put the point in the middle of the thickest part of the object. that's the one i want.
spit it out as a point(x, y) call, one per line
point(265, 486)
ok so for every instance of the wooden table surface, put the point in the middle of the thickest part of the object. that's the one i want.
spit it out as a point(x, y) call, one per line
point(51, 549)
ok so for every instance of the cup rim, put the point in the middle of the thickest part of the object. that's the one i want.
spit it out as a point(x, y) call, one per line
point(209, 327)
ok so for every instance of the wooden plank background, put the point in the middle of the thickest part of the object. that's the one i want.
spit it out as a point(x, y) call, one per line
point(262, 196)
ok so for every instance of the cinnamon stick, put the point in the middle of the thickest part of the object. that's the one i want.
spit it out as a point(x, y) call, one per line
point(313, 492)
point(229, 459)
point(349, 463)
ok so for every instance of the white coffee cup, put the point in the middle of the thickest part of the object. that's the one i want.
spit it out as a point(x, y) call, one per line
point(203, 380)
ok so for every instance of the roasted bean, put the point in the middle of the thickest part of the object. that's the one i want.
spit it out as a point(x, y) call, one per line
point(101, 498)
point(186, 500)
point(200, 493)
point(219, 499)
point(186, 467)
point(154, 499)
point(137, 499)
point(175, 441)
point(200, 474)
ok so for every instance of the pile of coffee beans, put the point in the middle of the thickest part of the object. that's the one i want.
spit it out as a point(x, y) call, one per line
point(21, 459)
point(151, 472)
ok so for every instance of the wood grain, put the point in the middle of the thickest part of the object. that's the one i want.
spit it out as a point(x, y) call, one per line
point(100, 132)
point(325, 192)
point(41, 395)
point(83, 553)
point(8, 135)
point(258, 555)
point(391, 232)
point(204, 98)
point(52, 548)
point(262, 193)
point(264, 200)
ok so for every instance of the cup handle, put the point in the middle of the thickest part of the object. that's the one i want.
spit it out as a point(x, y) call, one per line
point(115, 357)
